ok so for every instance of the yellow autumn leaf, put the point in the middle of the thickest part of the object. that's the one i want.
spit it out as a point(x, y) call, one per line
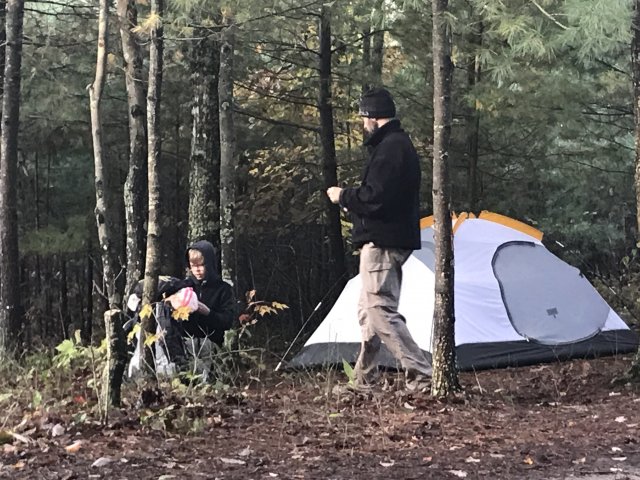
point(264, 309)
point(151, 339)
point(279, 306)
point(153, 21)
point(134, 331)
point(528, 461)
point(146, 311)
point(181, 313)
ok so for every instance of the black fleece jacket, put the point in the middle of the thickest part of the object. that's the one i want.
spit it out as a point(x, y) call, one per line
point(216, 294)
point(385, 207)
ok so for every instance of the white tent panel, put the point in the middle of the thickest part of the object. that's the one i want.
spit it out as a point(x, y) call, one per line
point(536, 285)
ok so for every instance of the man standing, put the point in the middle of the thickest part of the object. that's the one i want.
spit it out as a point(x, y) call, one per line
point(386, 225)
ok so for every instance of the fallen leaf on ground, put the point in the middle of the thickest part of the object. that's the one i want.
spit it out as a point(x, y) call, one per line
point(74, 447)
point(101, 462)
point(232, 461)
point(458, 473)
point(528, 461)
point(21, 438)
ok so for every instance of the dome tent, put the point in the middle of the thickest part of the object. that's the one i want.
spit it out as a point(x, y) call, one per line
point(515, 303)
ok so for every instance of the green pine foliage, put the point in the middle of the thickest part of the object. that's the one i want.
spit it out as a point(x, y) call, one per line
point(553, 99)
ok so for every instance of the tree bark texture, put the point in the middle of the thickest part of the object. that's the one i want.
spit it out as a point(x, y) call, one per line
point(228, 157)
point(373, 51)
point(635, 65)
point(329, 165)
point(366, 58)
point(152, 264)
point(104, 203)
point(377, 49)
point(204, 172)
point(3, 42)
point(114, 367)
point(105, 216)
point(445, 376)
point(136, 183)
point(9, 254)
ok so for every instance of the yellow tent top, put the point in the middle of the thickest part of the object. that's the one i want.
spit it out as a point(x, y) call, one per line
point(427, 222)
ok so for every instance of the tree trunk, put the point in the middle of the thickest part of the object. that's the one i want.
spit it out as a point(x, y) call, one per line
point(3, 42)
point(377, 50)
point(445, 375)
point(635, 65)
point(135, 185)
point(204, 174)
point(473, 122)
point(228, 157)
point(114, 366)
point(366, 58)
point(152, 264)
point(105, 214)
point(64, 300)
point(87, 324)
point(329, 166)
point(9, 254)
point(372, 56)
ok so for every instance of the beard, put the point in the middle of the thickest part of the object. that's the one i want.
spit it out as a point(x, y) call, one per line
point(371, 130)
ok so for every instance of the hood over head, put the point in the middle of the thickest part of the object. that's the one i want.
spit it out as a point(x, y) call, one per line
point(210, 259)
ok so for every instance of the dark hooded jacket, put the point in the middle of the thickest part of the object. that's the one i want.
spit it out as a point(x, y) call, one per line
point(216, 294)
point(385, 207)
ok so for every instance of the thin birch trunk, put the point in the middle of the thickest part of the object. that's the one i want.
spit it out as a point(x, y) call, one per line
point(228, 157)
point(152, 265)
point(9, 254)
point(135, 185)
point(445, 375)
point(114, 368)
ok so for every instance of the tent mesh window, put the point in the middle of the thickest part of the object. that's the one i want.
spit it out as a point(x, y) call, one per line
point(547, 300)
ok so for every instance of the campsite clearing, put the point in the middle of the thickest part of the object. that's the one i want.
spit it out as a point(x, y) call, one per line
point(554, 421)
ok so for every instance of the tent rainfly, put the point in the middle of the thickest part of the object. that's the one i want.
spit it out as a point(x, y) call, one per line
point(515, 303)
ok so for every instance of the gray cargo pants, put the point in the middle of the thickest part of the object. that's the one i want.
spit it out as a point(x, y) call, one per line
point(381, 273)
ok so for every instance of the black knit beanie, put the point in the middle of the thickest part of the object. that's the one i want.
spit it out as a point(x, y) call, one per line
point(377, 103)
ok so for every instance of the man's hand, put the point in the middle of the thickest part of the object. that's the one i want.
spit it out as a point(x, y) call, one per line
point(334, 194)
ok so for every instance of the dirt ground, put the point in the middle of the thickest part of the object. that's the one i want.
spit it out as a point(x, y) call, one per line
point(556, 421)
